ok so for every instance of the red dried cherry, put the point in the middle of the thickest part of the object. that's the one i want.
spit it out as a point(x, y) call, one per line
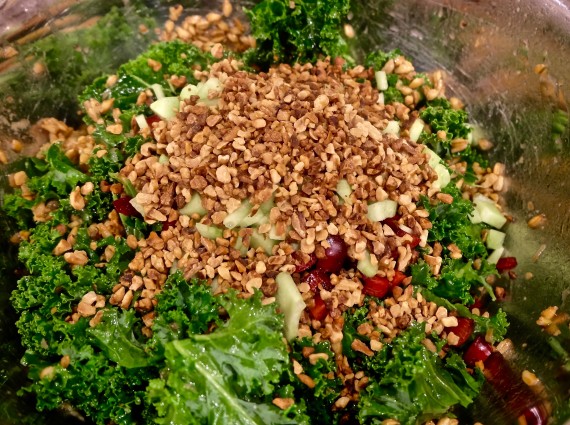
point(335, 255)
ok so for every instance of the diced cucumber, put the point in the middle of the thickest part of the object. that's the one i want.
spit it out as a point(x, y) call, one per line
point(166, 107)
point(416, 130)
point(393, 127)
point(239, 246)
point(290, 303)
point(488, 212)
point(194, 206)
point(475, 217)
point(381, 80)
point(163, 159)
point(201, 90)
point(382, 210)
point(380, 98)
point(344, 190)
point(174, 267)
point(443, 176)
point(258, 218)
point(433, 158)
point(189, 91)
point(261, 216)
point(434, 161)
point(495, 255)
point(158, 91)
point(495, 239)
point(141, 121)
point(366, 267)
point(236, 217)
point(261, 241)
point(209, 232)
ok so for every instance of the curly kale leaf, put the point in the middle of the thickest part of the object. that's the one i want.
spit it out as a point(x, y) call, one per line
point(236, 368)
point(60, 178)
point(414, 384)
point(183, 309)
point(19, 209)
point(352, 319)
point(116, 336)
point(93, 383)
point(309, 30)
point(440, 116)
point(53, 178)
point(457, 279)
point(321, 398)
point(451, 224)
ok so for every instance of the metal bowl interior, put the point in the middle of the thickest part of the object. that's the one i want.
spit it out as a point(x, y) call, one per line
point(489, 52)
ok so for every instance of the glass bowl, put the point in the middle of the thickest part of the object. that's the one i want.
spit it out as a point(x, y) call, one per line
point(508, 61)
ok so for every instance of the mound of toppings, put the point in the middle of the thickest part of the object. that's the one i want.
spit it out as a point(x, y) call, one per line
point(286, 137)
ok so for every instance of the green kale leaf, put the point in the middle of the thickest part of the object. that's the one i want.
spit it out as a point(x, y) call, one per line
point(183, 309)
point(304, 32)
point(115, 336)
point(457, 279)
point(93, 383)
point(451, 224)
point(60, 178)
point(236, 368)
point(321, 398)
point(454, 122)
point(414, 385)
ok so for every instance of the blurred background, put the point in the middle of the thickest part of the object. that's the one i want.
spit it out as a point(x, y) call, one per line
point(507, 60)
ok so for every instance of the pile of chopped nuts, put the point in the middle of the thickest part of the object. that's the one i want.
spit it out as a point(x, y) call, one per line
point(290, 134)
point(206, 31)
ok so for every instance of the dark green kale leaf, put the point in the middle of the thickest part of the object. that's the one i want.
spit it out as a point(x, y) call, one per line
point(93, 383)
point(352, 319)
point(60, 178)
point(454, 122)
point(442, 117)
point(320, 399)
point(414, 385)
point(46, 272)
point(115, 336)
point(451, 224)
point(183, 309)
point(309, 30)
point(236, 368)
point(457, 280)
point(52, 178)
